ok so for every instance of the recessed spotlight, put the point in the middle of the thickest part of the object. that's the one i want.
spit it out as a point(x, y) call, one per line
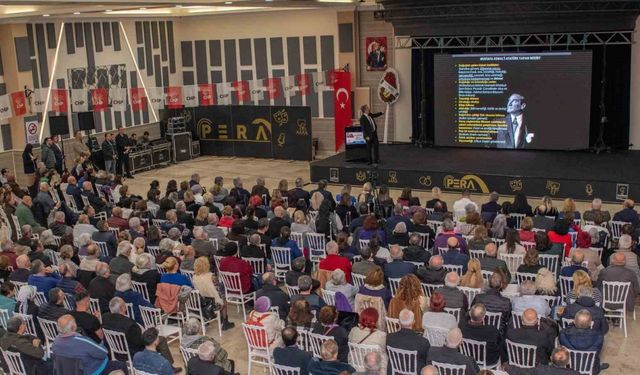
point(143, 8)
point(178, 6)
point(228, 2)
point(76, 13)
point(45, 15)
point(108, 10)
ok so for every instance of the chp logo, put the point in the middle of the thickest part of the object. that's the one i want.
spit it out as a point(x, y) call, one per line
point(469, 182)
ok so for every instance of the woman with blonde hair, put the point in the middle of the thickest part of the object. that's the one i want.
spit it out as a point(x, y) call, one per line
point(582, 279)
point(546, 283)
point(316, 201)
point(211, 292)
point(411, 297)
point(365, 196)
point(549, 210)
point(301, 223)
point(202, 216)
point(473, 277)
point(568, 209)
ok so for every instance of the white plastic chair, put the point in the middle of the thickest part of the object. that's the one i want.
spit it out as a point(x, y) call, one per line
point(476, 254)
point(152, 317)
point(521, 355)
point(130, 313)
point(449, 369)
point(40, 299)
point(523, 276)
point(453, 268)
point(317, 247)
point(4, 318)
point(363, 243)
point(471, 293)
point(358, 279)
point(582, 361)
point(14, 362)
point(234, 293)
point(187, 354)
point(498, 241)
point(549, 261)
point(214, 242)
point(281, 261)
point(424, 239)
point(94, 308)
point(614, 301)
point(153, 250)
point(516, 319)
point(117, 342)
point(285, 370)
point(455, 312)
point(298, 238)
point(329, 297)
point(104, 249)
point(29, 322)
point(141, 288)
point(188, 274)
point(17, 285)
point(553, 300)
point(486, 275)
point(566, 284)
point(437, 336)
point(303, 342)
point(428, 289)
point(257, 265)
point(292, 290)
point(513, 261)
point(357, 352)
point(50, 330)
point(393, 325)
point(393, 285)
point(616, 229)
point(518, 218)
point(528, 245)
point(493, 318)
point(403, 362)
point(478, 351)
point(194, 307)
point(316, 340)
point(442, 250)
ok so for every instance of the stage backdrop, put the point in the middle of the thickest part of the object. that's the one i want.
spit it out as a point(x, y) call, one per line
point(277, 132)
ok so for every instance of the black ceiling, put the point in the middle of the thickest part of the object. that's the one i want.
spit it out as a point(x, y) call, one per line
point(481, 17)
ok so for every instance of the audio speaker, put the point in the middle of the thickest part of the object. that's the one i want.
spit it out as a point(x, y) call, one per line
point(86, 121)
point(181, 143)
point(58, 125)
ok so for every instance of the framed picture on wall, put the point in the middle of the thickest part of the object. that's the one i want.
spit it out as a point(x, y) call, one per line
point(376, 53)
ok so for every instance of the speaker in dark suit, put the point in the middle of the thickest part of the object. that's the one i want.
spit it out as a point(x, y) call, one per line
point(516, 134)
point(370, 129)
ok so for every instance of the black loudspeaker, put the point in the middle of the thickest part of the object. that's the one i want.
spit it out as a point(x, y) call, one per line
point(181, 143)
point(86, 121)
point(58, 125)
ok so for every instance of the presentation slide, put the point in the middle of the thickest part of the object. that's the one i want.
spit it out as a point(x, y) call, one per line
point(513, 101)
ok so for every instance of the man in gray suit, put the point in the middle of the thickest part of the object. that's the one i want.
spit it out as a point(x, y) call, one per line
point(516, 134)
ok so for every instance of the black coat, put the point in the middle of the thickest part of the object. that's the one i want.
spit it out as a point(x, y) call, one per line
point(453, 357)
point(128, 326)
point(277, 298)
point(407, 339)
point(543, 338)
point(293, 357)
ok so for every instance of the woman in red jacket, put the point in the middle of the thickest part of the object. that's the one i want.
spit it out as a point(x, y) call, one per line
point(560, 234)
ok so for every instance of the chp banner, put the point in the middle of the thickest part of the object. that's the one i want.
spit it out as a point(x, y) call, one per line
point(37, 100)
point(79, 101)
point(190, 96)
point(138, 99)
point(118, 97)
point(207, 92)
point(342, 105)
point(59, 100)
point(5, 107)
point(100, 99)
point(174, 97)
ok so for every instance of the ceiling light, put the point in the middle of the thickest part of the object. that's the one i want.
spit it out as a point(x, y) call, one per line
point(45, 15)
point(178, 6)
point(76, 13)
point(143, 8)
point(228, 2)
point(108, 10)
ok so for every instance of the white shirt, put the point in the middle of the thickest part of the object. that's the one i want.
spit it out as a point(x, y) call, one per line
point(517, 133)
point(459, 205)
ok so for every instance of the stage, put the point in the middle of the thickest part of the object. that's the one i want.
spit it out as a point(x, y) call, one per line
point(559, 174)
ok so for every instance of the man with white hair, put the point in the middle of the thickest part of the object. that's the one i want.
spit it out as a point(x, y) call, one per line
point(617, 271)
point(453, 297)
point(475, 328)
point(59, 227)
point(101, 287)
point(559, 365)
point(201, 243)
point(435, 273)
point(626, 247)
point(203, 363)
point(260, 189)
point(45, 200)
point(529, 299)
point(408, 339)
point(534, 331)
point(117, 221)
point(582, 337)
point(490, 261)
point(135, 228)
point(125, 291)
point(493, 300)
point(99, 204)
point(398, 267)
point(213, 231)
point(103, 235)
point(628, 214)
point(460, 206)
point(448, 231)
point(596, 209)
point(449, 353)
point(72, 349)
point(334, 261)
point(83, 226)
point(192, 338)
point(121, 264)
point(117, 320)
point(328, 364)
point(372, 364)
point(396, 218)
point(278, 222)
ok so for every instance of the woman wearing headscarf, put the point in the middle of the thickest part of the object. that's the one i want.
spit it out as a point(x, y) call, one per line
point(269, 320)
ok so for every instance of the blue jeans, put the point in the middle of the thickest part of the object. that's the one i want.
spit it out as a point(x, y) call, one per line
point(110, 166)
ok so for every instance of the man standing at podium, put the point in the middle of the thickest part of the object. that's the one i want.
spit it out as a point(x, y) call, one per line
point(370, 130)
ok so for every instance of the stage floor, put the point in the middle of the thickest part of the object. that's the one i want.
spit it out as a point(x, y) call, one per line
point(577, 174)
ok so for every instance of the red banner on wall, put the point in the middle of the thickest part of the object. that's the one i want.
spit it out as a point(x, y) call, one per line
point(303, 81)
point(243, 93)
point(207, 94)
point(342, 105)
point(59, 101)
point(274, 87)
point(174, 97)
point(138, 99)
point(18, 103)
point(99, 99)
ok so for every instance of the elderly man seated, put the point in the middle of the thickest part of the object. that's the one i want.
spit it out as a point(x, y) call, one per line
point(584, 301)
point(334, 261)
point(397, 268)
point(534, 332)
point(329, 365)
point(490, 261)
point(449, 353)
point(454, 297)
point(453, 256)
point(201, 243)
point(494, 301)
point(192, 338)
point(434, 273)
point(59, 226)
point(18, 340)
point(291, 355)
point(476, 329)
point(577, 257)
point(582, 337)
point(448, 231)
point(529, 299)
point(204, 363)
point(559, 362)
point(372, 364)
point(408, 339)
point(617, 271)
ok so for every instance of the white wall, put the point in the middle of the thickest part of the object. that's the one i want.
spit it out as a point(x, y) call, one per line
point(403, 115)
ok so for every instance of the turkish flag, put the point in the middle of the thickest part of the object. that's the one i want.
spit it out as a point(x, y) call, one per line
point(59, 101)
point(243, 94)
point(303, 81)
point(274, 87)
point(207, 93)
point(138, 99)
point(342, 105)
point(99, 99)
point(18, 103)
point(174, 97)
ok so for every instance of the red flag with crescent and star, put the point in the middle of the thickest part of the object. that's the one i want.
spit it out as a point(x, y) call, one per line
point(342, 105)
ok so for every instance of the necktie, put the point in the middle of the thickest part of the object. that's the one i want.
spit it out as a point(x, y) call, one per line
point(373, 124)
point(516, 132)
